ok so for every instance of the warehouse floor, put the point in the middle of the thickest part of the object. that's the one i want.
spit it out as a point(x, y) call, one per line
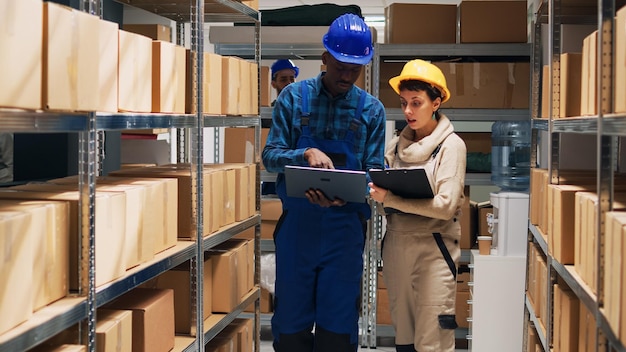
point(385, 344)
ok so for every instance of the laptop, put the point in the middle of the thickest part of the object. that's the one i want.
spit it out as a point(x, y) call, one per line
point(348, 185)
point(407, 183)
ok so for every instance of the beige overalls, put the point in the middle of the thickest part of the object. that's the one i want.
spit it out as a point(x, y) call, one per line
point(420, 256)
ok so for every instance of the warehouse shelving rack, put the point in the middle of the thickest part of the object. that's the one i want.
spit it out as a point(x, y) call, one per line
point(80, 307)
point(606, 125)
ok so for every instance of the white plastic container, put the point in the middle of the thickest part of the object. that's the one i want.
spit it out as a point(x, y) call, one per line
point(509, 227)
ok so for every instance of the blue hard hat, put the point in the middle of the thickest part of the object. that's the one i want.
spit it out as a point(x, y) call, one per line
point(349, 40)
point(284, 64)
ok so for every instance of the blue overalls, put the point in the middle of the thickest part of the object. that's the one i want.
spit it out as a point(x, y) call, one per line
point(319, 259)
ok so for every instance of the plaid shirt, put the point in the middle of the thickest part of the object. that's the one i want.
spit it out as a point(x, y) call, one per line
point(330, 119)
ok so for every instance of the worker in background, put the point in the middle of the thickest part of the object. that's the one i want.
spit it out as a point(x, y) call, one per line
point(324, 122)
point(421, 249)
point(284, 72)
point(6, 157)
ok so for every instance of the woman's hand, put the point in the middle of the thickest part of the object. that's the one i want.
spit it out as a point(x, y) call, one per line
point(377, 193)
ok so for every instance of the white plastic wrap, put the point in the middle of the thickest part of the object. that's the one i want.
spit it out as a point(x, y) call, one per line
point(268, 271)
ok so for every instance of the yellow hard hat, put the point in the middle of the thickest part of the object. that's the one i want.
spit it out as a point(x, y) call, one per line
point(423, 71)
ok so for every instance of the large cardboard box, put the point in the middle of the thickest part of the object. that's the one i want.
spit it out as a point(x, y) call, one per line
point(245, 88)
point(70, 54)
point(114, 330)
point(50, 248)
point(109, 230)
point(231, 85)
point(620, 61)
point(468, 221)
point(545, 91)
point(109, 58)
point(493, 21)
point(153, 31)
point(164, 77)
point(16, 271)
point(135, 72)
point(179, 280)
point(613, 267)
point(153, 318)
point(254, 89)
point(571, 68)
point(420, 23)
point(21, 46)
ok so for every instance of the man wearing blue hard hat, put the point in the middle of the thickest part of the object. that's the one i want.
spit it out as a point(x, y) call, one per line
point(284, 72)
point(324, 122)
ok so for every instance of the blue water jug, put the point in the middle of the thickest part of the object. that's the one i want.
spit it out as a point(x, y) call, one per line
point(510, 155)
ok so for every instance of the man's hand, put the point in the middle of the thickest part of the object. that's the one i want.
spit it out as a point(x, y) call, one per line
point(318, 158)
point(315, 196)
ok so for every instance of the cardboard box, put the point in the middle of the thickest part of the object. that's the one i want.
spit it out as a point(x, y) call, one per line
point(383, 312)
point(588, 105)
point(226, 258)
point(561, 223)
point(571, 68)
point(245, 88)
point(566, 317)
point(179, 280)
point(494, 85)
point(620, 61)
point(109, 58)
point(70, 54)
point(468, 221)
point(265, 87)
point(587, 329)
point(613, 266)
point(50, 222)
point(483, 210)
point(153, 318)
point(114, 330)
point(16, 272)
point(271, 210)
point(231, 85)
point(153, 31)
point(420, 23)
point(109, 231)
point(462, 308)
point(134, 73)
point(254, 89)
point(506, 23)
point(211, 84)
point(183, 175)
point(239, 145)
point(21, 60)
point(164, 77)
point(161, 214)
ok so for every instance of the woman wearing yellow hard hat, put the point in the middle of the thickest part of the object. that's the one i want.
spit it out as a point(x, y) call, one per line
point(420, 249)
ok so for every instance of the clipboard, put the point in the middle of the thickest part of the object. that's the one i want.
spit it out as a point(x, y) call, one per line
point(349, 185)
point(406, 182)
